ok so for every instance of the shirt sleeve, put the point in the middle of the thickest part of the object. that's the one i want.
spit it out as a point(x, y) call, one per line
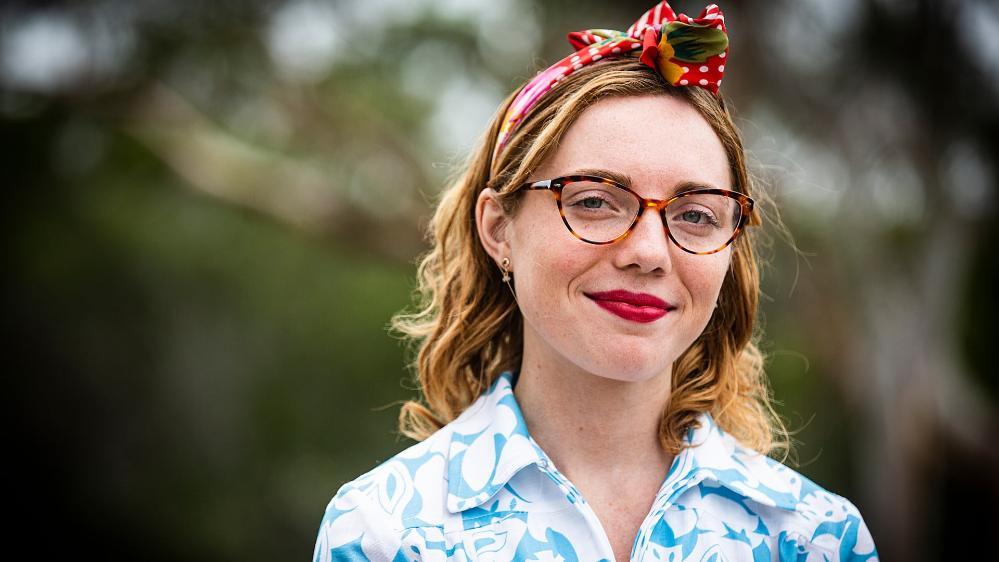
point(856, 543)
point(354, 528)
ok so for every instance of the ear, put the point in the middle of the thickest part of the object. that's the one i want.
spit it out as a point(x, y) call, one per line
point(492, 224)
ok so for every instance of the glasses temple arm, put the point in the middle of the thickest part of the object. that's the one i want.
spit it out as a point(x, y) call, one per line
point(543, 184)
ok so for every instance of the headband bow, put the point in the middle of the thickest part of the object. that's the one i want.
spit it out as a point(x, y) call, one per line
point(684, 50)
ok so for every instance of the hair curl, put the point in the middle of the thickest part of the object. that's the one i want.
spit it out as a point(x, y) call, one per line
point(468, 329)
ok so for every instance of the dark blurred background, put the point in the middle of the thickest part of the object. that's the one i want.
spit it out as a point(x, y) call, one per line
point(212, 209)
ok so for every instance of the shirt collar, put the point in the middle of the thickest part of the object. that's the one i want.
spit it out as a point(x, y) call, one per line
point(714, 456)
point(490, 444)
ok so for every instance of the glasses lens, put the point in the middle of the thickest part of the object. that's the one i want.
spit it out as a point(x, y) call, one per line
point(699, 222)
point(702, 222)
point(598, 212)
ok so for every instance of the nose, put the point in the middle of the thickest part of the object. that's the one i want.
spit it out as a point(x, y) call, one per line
point(647, 247)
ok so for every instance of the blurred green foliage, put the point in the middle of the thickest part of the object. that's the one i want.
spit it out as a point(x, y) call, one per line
point(219, 373)
point(214, 209)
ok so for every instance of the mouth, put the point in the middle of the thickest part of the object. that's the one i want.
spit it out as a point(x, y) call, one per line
point(636, 307)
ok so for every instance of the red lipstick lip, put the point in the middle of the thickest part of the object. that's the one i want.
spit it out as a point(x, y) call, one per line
point(635, 299)
point(637, 307)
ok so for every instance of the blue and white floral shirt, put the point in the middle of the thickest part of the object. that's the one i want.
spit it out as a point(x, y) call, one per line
point(482, 489)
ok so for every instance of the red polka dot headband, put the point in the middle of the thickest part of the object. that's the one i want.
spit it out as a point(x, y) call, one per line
point(684, 50)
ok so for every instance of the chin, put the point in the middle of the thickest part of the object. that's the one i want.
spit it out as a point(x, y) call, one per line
point(630, 368)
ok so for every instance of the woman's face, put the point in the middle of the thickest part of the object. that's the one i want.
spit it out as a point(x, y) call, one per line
point(659, 143)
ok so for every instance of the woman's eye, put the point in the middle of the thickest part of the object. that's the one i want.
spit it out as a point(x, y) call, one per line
point(692, 216)
point(697, 217)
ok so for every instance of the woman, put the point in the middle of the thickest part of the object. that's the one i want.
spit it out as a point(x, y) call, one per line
point(592, 389)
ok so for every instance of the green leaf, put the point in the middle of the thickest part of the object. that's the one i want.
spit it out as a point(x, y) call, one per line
point(695, 43)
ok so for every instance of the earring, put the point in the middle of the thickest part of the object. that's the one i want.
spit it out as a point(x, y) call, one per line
point(505, 266)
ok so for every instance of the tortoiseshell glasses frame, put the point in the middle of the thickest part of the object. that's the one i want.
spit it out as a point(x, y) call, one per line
point(555, 186)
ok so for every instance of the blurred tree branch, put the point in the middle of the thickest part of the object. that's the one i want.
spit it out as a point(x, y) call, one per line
point(306, 193)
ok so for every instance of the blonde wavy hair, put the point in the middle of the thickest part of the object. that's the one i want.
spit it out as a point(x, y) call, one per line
point(467, 328)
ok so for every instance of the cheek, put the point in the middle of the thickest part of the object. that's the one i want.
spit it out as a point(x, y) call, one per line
point(704, 280)
point(550, 268)
point(550, 261)
point(714, 280)
point(544, 251)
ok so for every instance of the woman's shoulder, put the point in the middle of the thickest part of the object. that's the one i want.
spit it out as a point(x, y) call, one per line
point(368, 515)
point(401, 491)
point(788, 488)
point(738, 479)
point(411, 489)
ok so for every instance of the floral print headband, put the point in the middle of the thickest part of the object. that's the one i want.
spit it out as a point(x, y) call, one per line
point(684, 50)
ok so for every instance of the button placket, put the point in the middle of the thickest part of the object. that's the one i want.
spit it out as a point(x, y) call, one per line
point(575, 497)
point(659, 508)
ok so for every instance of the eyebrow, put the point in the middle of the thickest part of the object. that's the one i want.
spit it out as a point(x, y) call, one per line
point(625, 180)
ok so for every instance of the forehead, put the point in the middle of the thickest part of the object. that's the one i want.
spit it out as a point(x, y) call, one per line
point(657, 141)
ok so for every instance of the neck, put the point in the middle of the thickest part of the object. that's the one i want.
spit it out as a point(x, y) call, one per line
point(592, 425)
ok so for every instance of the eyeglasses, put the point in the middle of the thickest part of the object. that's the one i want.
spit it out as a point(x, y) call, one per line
point(601, 211)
